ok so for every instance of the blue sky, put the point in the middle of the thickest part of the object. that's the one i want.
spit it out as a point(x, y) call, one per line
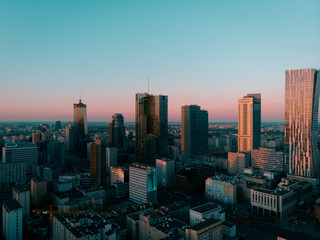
point(208, 53)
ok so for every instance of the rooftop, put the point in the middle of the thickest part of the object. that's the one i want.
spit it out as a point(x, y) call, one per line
point(206, 207)
point(20, 188)
point(11, 205)
point(205, 224)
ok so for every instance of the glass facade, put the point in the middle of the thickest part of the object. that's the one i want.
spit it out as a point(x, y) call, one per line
point(301, 122)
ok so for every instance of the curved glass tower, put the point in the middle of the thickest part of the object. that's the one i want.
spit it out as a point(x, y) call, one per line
point(301, 123)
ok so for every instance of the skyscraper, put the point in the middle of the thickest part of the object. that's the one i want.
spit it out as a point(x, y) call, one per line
point(194, 130)
point(301, 124)
point(249, 122)
point(98, 163)
point(117, 133)
point(81, 128)
point(151, 127)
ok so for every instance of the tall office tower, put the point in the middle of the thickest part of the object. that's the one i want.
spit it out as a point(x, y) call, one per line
point(14, 172)
point(22, 194)
point(151, 127)
point(12, 220)
point(194, 130)
point(165, 172)
point(70, 137)
point(27, 153)
point(80, 125)
point(142, 183)
point(98, 162)
point(301, 124)
point(38, 191)
point(249, 122)
point(117, 133)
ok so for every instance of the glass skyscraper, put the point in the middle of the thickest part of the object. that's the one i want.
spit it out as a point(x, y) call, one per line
point(194, 130)
point(151, 127)
point(301, 124)
point(81, 128)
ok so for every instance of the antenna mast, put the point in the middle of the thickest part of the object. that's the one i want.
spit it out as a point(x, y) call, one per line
point(148, 85)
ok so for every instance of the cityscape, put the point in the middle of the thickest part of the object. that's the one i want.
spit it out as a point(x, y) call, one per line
point(113, 159)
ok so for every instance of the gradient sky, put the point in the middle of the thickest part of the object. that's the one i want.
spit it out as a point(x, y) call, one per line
point(208, 53)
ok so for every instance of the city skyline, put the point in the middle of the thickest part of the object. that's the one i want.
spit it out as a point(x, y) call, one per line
point(209, 54)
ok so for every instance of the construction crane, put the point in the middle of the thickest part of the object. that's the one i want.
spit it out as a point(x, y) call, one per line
point(51, 212)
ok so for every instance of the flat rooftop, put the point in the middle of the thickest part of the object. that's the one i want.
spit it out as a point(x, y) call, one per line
point(206, 207)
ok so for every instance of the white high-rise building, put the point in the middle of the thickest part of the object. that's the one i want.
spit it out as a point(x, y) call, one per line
point(142, 183)
point(12, 220)
point(22, 194)
point(249, 122)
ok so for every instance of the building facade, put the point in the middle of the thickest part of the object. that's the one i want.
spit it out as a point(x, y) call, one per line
point(151, 128)
point(142, 183)
point(237, 162)
point(267, 159)
point(117, 133)
point(249, 122)
point(12, 220)
point(98, 163)
point(301, 124)
point(165, 172)
point(80, 127)
point(194, 130)
point(22, 194)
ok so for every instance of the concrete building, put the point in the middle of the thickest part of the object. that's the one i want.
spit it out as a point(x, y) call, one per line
point(237, 162)
point(223, 188)
point(267, 159)
point(229, 229)
point(249, 122)
point(12, 220)
point(98, 163)
point(192, 179)
point(13, 172)
point(158, 225)
point(165, 172)
point(27, 153)
point(38, 191)
point(301, 125)
point(81, 227)
point(119, 174)
point(194, 131)
point(22, 194)
point(56, 153)
point(281, 202)
point(151, 128)
point(111, 157)
point(142, 183)
point(206, 211)
point(210, 229)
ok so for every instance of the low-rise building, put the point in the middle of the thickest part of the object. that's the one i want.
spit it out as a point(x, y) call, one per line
point(210, 229)
point(229, 229)
point(280, 203)
point(224, 189)
point(206, 211)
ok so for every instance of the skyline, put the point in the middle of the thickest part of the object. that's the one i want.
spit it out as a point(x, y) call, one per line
point(209, 54)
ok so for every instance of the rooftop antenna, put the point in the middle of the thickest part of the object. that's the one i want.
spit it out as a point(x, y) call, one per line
point(148, 85)
point(80, 97)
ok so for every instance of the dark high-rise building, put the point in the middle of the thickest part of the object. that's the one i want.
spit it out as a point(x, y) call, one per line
point(194, 130)
point(117, 132)
point(98, 163)
point(301, 125)
point(151, 127)
point(56, 153)
point(58, 125)
point(249, 122)
point(81, 128)
point(70, 135)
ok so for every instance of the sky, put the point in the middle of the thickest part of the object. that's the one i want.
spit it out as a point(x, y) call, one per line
point(209, 53)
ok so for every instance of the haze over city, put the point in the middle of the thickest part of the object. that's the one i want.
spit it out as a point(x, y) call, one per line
point(208, 53)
